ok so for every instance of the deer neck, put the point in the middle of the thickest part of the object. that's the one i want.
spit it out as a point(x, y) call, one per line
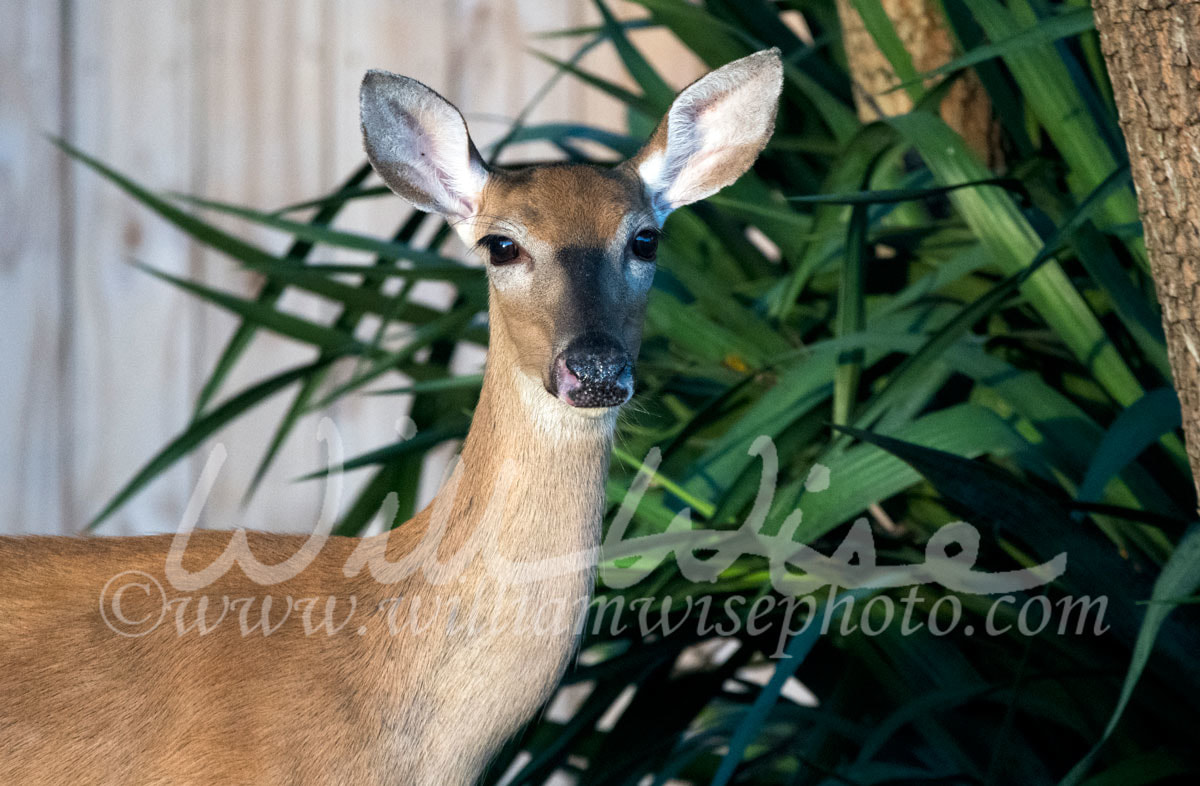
point(523, 504)
point(553, 458)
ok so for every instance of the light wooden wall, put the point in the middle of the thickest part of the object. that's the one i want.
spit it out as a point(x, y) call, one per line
point(251, 101)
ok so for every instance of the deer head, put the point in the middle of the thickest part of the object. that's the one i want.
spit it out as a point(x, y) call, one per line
point(570, 248)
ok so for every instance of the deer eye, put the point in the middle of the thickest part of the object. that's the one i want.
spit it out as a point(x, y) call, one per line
point(645, 244)
point(501, 250)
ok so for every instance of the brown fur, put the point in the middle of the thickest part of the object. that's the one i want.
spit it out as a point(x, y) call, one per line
point(564, 204)
point(80, 704)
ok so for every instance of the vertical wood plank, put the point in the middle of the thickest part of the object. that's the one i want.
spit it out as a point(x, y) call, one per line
point(406, 38)
point(262, 81)
point(31, 296)
point(492, 76)
point(130, 348)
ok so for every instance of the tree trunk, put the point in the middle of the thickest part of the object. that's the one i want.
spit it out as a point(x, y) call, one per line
point(922, 29)
point(1152, 48)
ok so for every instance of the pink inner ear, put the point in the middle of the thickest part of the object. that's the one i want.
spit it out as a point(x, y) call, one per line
point(421, 145)
point(695, 169)
point(715, 130)
point(434, 158)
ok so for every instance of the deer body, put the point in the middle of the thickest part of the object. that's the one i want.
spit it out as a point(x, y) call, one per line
point(372, 692)
point(408, 657)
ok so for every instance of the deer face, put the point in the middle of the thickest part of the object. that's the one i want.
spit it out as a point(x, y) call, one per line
point(570, 248)
point(570, 252)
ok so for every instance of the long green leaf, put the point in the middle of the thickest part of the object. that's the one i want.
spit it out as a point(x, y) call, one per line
point(422, 441)
point(632, 100)
point(325, 235)
point(265, 316)
point(797, 650)
point(851, 314)
point(1055, 98)
point(1064, 25)
point(654, 88)
point(200, 429)
point(1179, 578)
point(879, 25)
point(1135, 429)
point(269, 294)
point(900, 194)
point(1007, 234)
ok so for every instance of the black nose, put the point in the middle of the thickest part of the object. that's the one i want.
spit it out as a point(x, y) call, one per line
point(596, 359)
point(593, 371)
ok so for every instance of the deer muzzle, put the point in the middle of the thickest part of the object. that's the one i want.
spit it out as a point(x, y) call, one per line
point(595, 370)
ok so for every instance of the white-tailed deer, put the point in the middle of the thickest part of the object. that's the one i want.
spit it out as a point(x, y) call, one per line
point(118, 666)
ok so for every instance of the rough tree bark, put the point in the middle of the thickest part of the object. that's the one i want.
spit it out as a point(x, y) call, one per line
point(1152, 48)
point(921, 27)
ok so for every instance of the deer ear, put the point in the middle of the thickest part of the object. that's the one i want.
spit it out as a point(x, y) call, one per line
point(418, 143)
point(713, 132)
